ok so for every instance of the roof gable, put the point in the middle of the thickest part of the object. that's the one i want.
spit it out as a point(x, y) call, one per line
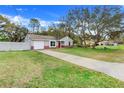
point(66, 38)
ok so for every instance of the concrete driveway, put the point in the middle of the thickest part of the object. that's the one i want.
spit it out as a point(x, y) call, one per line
point(115, 70)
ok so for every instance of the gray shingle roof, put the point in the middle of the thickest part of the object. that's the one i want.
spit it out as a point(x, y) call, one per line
point(41, 37)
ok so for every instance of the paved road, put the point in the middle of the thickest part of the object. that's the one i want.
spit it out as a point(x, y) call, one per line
point(115, 70)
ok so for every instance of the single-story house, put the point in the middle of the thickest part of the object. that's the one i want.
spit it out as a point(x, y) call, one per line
point(45, 42)
point(108, 43)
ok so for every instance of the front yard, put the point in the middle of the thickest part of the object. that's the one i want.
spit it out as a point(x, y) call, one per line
point(110, 53)
point(34, 69)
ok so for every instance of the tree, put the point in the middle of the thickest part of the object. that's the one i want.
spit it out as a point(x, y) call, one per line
point(15, 33)
point(3, 22)
point(42, 31)
point(58, 30)
point(54, 30)
point(94, 25)
point(34, 24)
point(18, 34)
point(11, 32)
point(66, 25)
point(103, 20)
point(76, 24)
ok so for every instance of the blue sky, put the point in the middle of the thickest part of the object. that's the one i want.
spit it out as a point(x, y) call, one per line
point(46, 14)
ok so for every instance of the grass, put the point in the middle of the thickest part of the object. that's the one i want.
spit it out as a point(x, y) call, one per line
point(119, 47)
point(34, 69)
point(110, 54)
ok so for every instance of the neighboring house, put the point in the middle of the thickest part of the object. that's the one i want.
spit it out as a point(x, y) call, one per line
point(117, 37)
point(45, 42)
point(107, 43)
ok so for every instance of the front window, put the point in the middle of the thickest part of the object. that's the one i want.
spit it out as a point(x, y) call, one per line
point(52, 43)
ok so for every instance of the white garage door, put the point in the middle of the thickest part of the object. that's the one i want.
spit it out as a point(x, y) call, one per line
point(38, 44)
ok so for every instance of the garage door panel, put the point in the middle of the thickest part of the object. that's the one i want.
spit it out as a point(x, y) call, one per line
point(38, 44)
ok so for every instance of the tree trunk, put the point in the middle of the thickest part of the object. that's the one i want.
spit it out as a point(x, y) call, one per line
point(84, 40)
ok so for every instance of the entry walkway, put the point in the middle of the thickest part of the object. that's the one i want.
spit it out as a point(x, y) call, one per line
point(115, 70)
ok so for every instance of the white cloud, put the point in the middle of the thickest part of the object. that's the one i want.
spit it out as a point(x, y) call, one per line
point(25, 21)
point(17, 19)
point(21, 9)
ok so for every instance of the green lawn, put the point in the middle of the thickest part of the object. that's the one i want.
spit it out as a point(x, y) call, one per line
point(34, 69)
point(111, 53)
point(119, 47)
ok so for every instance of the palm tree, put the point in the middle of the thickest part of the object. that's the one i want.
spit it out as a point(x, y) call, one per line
point(34, 24)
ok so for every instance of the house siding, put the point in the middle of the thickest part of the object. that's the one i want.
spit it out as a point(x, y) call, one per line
point(56, 43)
point(66, 41)
point(46, 44)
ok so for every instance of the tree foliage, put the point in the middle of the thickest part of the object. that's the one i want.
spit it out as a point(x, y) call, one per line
point(10, 31)
point(34, 24)
point(93, 25)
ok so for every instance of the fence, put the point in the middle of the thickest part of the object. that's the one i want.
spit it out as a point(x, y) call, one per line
point(7, 46)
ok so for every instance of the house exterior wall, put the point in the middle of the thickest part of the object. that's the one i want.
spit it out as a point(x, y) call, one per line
point(57, 43)
point(46, 44)
point(37, 45)
point(7, 46)
point(66, 41)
